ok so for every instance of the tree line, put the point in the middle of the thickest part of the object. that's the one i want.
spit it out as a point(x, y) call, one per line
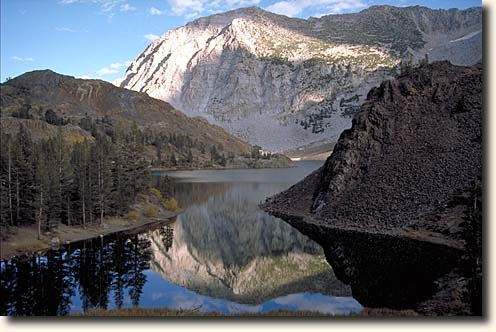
point(51, 182)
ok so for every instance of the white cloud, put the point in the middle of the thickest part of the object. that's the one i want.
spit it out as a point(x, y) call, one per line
point(341, 6)
point(127, 8)
point(190, 9)
point(118, 81)
point(116, 65)
point(151, 36)
point(155, 11)
point(86, 77)
point(193, 8)
point(113, 68)
point(323, 7)
point(242, 2)
point(107, 7)
point(106, 71)
point(181, 7)
point(64, 29)
point(192, 15)
point(18, 58)
point(288, 8)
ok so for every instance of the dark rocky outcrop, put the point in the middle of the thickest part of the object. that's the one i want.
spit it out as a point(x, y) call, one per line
point(394, 204)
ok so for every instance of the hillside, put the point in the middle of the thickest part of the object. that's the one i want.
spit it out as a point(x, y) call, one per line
point(401, 191)
point(284, 83)
point(44, 100)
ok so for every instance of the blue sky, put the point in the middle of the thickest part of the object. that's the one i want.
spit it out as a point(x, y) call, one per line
point(98, 38)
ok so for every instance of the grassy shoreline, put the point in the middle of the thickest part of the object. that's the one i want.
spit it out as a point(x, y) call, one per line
point(219, 168)
point(23, 240)
point(164, 312)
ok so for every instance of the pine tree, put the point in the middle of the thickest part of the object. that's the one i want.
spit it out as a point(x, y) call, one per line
point(23, 178)
point(41, 188)
point(79, 162)
point(213, 153)
point(64, 177)
point(103, 186)
point(173, 160)
point(189, 158)
point(54, 207)
point(222, 160)
point(137, 166)
point(6, 204)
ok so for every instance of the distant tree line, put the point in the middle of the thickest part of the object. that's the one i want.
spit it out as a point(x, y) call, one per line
point(171, 149)
point(50, 182)
point(180, 149)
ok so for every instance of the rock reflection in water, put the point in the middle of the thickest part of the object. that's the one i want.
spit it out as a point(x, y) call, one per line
point(225, 246)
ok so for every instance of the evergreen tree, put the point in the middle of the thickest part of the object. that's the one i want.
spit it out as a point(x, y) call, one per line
point(63, 178)
point(189, 158)
point(41, 188)
point(102, 189)
point(214, 154)
point(49, 182)
point(79, 195)
point(222, 160)
point(23, 178)
point(173, 160)
point(6, 169)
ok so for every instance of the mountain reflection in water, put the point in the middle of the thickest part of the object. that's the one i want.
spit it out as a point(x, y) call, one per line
point(222, 254)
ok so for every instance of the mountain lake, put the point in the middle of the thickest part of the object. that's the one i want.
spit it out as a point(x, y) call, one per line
point(222, 254)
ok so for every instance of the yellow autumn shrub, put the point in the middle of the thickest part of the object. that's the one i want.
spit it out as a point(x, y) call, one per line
point(155, 192)
point(151, 211)
point(170, 204)
point(131, 215)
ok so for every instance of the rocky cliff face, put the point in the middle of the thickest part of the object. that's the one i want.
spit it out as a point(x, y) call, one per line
point(281, 82)
point(397, 193)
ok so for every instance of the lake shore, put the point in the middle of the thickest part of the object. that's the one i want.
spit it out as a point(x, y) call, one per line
point(164, 312)
point(23, 240)
point(256, 165)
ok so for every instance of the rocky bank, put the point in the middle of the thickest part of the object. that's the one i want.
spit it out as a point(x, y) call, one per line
point(397, 206)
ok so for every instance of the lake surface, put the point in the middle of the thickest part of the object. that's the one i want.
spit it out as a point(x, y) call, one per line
point(222, 254)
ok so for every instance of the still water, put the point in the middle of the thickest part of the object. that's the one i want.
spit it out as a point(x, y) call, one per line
point(222, 254)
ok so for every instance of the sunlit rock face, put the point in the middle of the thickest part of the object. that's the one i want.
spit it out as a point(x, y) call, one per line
point(281, 82)
point(240, 253)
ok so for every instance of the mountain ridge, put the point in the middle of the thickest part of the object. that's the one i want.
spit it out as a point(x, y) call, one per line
point(43, 100)
point(282, 82)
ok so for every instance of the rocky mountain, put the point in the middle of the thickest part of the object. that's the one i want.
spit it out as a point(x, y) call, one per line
point(44, 100)
point(397, 206)
point(283, 82)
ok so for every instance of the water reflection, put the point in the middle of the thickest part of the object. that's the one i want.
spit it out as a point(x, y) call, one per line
point(225, 247)
point(223, 254)
point(97, 272)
